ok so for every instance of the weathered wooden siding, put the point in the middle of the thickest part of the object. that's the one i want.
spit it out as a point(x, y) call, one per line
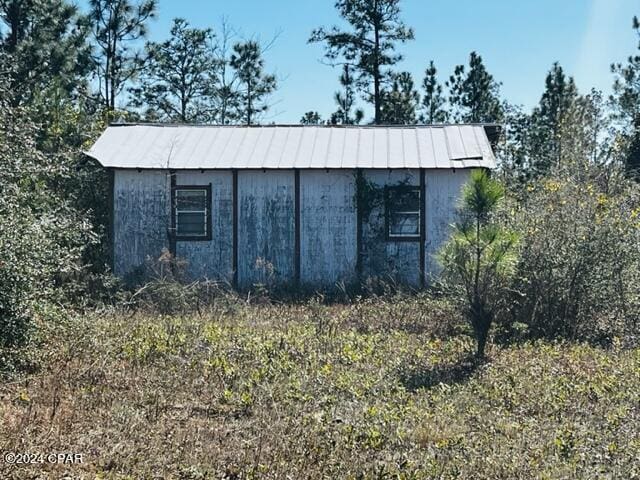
point(398, 260)
point(211, 259)
point(141, 208)
point(443, 189)
point(266, 228)
point(327, 226)
point(266, 224)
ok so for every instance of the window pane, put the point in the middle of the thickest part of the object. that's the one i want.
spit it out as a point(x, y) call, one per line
point(191, 199)
point(191, 223)
point(405, 200)
point(404, 224)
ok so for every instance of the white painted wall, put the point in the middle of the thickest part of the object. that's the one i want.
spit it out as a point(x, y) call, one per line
point(388, 259)
point(443, 189)
point(327, 226)
point(141, 217)
point(211, 259)
point(266, 229)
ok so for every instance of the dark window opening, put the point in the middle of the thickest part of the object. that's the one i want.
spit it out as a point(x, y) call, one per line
point(192, 212)
point(403, 213)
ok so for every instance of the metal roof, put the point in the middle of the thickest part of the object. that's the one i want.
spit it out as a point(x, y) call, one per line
point(146, 146)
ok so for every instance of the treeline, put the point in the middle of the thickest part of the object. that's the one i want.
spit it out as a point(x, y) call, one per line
point(92, 63)
point(567, 166)
point(366, 54)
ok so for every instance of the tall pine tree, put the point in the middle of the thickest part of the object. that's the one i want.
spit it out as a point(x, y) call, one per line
point(225, 95)
point(433, 108)
point(626, 102)
point(547, 119)
point(175, 81)
point(47, 42)
point(369, 45)
point(474, 95)
point(401, 101)
point(346, 101)
point(255, 85)
point(117, 25)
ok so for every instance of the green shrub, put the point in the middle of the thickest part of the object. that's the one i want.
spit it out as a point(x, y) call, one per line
point(579, 268)
point(41, 236)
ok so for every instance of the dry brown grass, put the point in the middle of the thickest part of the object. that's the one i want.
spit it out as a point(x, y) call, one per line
point(375, 389)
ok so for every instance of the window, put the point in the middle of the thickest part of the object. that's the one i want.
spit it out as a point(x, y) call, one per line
point(403, 213)
point(192, 214)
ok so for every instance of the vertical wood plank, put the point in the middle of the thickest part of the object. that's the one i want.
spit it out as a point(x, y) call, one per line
point(235, 228)
point(359, 200)
point(172, 230)
point(296, 267)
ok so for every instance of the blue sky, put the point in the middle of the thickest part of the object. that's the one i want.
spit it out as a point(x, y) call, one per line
point(518, 40)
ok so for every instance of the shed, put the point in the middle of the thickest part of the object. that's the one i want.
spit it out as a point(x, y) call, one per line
point(311, 205)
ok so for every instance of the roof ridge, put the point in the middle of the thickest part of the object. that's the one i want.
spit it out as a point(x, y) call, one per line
point(297, 125)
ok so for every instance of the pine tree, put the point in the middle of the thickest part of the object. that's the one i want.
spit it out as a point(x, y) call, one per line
point(400, 102)
point(225, 96)
point(433, 101)
point(256, 85)
point(626, 102)
point(47, 42)
point(311, 118)
point(117, 25)
point(513, 151)
point(175, 81)
point(481, 254)
point(474, 95)
point(369, 46)
point(346, 101)
point(547, 118)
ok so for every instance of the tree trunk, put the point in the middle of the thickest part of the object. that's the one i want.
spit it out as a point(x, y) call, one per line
point(376, 76)
point(482, 342)
point(249, 106)
point(481, 320)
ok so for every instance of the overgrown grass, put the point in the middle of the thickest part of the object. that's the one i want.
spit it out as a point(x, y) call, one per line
point(373, 389)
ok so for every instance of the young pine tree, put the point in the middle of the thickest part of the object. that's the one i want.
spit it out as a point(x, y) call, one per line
point(480, 254)
point(47, 41)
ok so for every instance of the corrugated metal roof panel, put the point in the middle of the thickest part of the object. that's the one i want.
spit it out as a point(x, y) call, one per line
point(226, 147)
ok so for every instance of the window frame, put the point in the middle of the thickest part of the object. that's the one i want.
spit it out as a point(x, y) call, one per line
point(388, 210)
point(174, 213)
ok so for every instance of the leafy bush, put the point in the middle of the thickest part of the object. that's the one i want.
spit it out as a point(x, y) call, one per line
point(579, 268)
point(41, 236)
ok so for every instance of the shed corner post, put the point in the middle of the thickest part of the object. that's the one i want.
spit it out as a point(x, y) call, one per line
point(234, 207)
point(111, 199)
point(423, 229)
